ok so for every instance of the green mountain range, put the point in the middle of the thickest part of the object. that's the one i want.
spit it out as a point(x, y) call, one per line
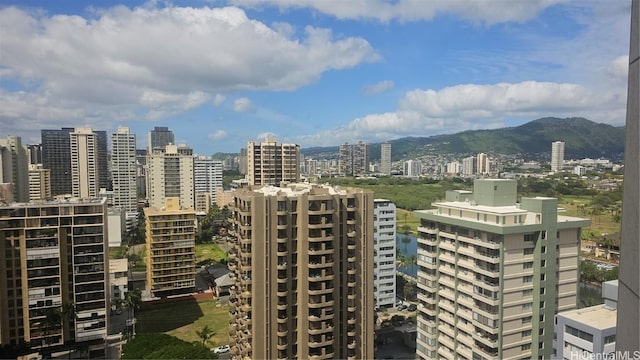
point(583, 139)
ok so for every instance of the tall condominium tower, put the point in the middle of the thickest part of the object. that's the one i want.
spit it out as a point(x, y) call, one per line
point(124, 170)
point(483, 164)
point(304, 270)
point(557, 156)
point(56, 156)
point(160, 137)
point(493, 273)
point(53, 254)
point(628, 323)
point(412, 168)
point(270, 162)
point(84, 163)
point(385, 158)
point(14, 167)
point(39, 183)
point(207, 176)
point(354, 159)
point(384, 244)
point(171, 249)
point(469, 166)
point(170, 174)
point(34, 152)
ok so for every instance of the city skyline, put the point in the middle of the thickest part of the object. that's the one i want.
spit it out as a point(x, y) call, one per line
point(307, 73)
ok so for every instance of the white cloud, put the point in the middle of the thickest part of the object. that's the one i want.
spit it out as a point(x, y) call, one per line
point(487, 11)
point(264, 135)
point(152, 62)
point(469, 107)
point(218, 135)
point(218, 100)
point(619, 67)
point(242, 105)
point(382, 86)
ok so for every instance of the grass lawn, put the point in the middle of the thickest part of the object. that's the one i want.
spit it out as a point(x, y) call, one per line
point(406, 217)
point(117, 252)
point(183, 318)
point(580, 206)
point(210, 252)
point(141, 265)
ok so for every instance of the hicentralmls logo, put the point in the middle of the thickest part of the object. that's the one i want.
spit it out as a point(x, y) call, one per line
point(616, 355)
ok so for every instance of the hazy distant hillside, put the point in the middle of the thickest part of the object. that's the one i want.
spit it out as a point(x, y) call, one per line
point(583, 138)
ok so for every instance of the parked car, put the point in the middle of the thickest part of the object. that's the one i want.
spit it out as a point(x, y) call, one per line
point(412, 307)
point(222, 349)
point(402, 307)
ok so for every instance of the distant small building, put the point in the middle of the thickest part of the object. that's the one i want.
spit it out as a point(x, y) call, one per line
point(223, 284)
point(118, 278)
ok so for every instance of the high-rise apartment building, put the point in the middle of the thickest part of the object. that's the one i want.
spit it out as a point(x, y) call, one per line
point(34, 153)
point(14, 167)
point(207, 176)
point(170, 174)
point(412, 168)
point(171, 249)
point(493, 273)
point(557, 156)
point(85, 174)
point(385, 158)
point(483, 164)
point(160, 137)
point(39, 183)
point(469, 166)
point(53, 254)
point(304, 270)
point(354, 159)
point(56, 156)
point(124, 171)
point(384, 244)
point(271, 163)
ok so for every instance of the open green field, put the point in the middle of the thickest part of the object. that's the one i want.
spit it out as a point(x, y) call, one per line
point(580, 206)
point(183, 318)
point(210, 252)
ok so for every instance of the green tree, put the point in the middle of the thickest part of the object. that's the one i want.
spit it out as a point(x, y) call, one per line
point(205, 333)
point(132, 301)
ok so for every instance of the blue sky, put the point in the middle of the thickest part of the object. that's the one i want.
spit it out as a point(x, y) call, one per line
point(312, 72)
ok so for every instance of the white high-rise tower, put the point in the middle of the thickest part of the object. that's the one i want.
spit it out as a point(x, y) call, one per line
point(123, 170)
point(557, 156)
point(85, 181)
point(385, 158)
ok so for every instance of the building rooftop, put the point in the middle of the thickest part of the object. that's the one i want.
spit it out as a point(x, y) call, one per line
point(294, 189)
point(599, 316)
point(55, 202)
point(118, 265)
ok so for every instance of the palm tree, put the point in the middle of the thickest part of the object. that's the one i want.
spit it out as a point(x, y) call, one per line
point(132, 302)
point(52, 321)
point(205, 333)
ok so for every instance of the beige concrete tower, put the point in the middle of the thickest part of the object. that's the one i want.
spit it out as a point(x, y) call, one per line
point(270, 162)
point(304, 270)
point(170, 174)
point(57, 256)
point(39, 183)
point(171, 249)
point(85, 181)
point(385, 158)
point(628, 327)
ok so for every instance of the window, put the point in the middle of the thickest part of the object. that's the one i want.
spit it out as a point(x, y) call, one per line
point(527, 279)
point(578, 333)
point(527, 306)
point(526, 333)
point(527, 265)
point(542, 277)
point(525, 347)
point(610, 339)
point(528, 251)
point(528, 292)
point(526, 320)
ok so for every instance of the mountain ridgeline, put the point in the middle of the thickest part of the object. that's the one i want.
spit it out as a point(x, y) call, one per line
point(583, 139)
